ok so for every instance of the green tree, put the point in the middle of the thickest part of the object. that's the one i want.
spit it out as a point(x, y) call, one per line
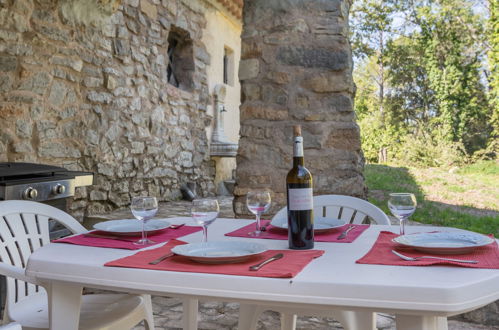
point(412, 101)
point(424, 80)
point(452, 60)
point(379, 131)
point(493, 58)
point(372, 29)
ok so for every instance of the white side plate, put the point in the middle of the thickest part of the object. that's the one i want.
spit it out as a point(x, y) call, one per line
point(320, 224)
point(219, 252)
point(444, 242)
point(131, 227)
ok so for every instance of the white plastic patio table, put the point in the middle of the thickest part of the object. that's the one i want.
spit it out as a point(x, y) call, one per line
point(419, 296)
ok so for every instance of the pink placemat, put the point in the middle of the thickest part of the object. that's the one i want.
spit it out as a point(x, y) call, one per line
point(380, 254)
point(286, 267)
point(272, 232)
point(161, 237)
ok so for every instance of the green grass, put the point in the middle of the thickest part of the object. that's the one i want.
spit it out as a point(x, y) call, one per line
point(390, 179)
point(454, 188)
point(431, 214)
point(482, 168)
point(464, 198)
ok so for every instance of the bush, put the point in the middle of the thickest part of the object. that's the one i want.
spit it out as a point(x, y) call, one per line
point(427, 151)
point(375, 135)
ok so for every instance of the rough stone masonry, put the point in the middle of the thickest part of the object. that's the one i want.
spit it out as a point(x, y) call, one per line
point(96, 98)
point(296, 68)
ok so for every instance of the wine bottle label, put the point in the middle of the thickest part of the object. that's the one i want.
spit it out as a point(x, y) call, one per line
point(298, 146)
point(300, 199)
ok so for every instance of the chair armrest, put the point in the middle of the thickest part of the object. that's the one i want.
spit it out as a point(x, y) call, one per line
point(15, 272)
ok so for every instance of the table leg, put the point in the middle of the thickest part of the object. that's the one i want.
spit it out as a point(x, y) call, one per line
point(190, 314)
point(442, 323)
point(248, 316)
point(64, 305)
point(288, 321)
point(418, 322)
point(351, 320)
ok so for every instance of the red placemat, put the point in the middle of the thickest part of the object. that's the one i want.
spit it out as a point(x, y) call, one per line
point(286, 267)
point(161, 237)
point(380, 254)
point(272, 232)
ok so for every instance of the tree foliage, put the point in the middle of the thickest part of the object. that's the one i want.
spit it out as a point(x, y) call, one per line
point(493, 56)
point(433, 92)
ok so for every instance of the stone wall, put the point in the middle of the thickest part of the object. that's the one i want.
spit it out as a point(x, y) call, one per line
point(296, 68)
point(96, 98)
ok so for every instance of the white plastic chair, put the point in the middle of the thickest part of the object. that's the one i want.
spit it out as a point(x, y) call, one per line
point(346, 208)
point(24, 228)
point(11, 326)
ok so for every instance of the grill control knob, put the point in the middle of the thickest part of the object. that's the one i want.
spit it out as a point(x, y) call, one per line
point(30, 193)
point(59, 189)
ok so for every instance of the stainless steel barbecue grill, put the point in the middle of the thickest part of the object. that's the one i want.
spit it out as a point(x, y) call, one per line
point(40, 183)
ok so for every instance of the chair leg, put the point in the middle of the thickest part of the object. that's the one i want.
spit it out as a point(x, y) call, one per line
point(149, 320)
point(356, 320)
point(190, 314)
point(248, 316)
point(288, 321)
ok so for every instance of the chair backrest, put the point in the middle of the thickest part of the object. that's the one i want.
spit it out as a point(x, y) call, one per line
point(347, 208)
point(24, 227)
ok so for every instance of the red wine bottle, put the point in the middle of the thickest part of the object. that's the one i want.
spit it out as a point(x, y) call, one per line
point(299, 190)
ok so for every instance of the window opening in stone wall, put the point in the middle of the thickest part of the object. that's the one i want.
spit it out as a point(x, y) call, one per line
point(180, 68)
point(228, 67)
point(170, 73)
point(226, 63)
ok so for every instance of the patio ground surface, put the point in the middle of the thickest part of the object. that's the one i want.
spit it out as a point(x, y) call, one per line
point(214, 315)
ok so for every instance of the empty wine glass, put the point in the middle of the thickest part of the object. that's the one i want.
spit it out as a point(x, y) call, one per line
point(144, 209)
point(258, 202)
point(402, 206)
point(204, 212)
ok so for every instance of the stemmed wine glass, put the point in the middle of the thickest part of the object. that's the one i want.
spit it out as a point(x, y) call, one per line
point(258, 202)
point(144, 209)
point(204, 212)
point(402, 206)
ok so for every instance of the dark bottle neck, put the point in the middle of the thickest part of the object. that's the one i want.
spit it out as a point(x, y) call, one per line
point(298, 151)
point(298, 161)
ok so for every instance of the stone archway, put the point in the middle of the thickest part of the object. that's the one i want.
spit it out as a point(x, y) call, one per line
point(296, 68)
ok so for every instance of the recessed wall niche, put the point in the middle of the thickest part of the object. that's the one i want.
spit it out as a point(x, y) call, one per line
point(180, 69)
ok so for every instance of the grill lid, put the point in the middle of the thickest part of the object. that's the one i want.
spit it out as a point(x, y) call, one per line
point(9, 171)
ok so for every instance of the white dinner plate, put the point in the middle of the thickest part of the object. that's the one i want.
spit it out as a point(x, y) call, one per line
point(320, 224)
point(219, 252)
point(131, 227)
point(444, 242)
